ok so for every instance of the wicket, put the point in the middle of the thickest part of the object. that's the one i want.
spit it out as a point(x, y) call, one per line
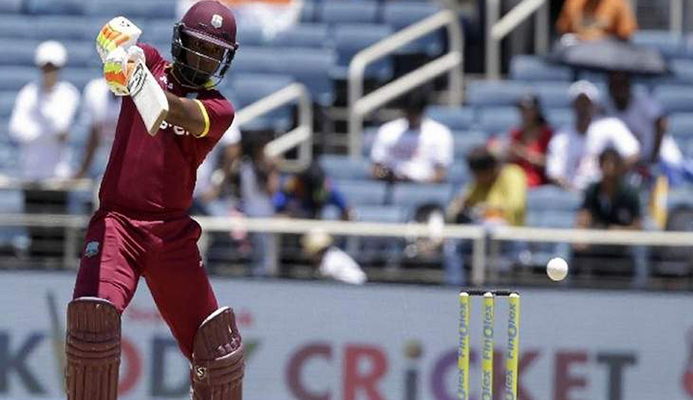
point(487, 351)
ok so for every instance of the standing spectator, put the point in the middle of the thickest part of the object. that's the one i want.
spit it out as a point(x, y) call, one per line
point(572, 160)
point(305, 195)
point(331, 261)
point(101, 110)
point(646, 119)
point(43, 115)
point(527, 145)
point(259, 183)
point(597, 19)
point(610, 203)
point(413, 148)
point(497, 195)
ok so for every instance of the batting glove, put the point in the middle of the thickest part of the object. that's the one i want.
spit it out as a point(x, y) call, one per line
point(118, 32)
point(118, 67)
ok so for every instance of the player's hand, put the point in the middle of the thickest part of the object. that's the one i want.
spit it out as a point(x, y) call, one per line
point(118, 32)
point(118, 67)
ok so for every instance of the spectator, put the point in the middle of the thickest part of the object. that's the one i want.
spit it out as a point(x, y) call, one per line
point(217, 189)
point(646, 119)
point(413, 148)
point(101, 110)
point(259, 183)
point(597, 19)
point(305, 195)
point(496, 195)
point(572, 160)
point(43, 115)
point(527, 145)
point(331, 261)
point(610, 203)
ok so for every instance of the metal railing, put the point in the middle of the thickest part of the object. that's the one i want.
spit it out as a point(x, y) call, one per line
point(301, 136)
point(451, 62)
point(480, 273)
point(498, 28)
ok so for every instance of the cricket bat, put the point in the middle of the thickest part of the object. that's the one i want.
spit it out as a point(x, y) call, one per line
point(149, 97)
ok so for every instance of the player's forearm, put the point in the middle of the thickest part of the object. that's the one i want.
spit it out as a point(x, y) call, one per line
point(185, 113)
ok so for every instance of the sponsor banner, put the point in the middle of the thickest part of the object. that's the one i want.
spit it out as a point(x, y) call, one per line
point(322, 341)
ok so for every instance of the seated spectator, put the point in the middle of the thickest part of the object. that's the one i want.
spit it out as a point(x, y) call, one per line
point(496, 195)
point(610, 203)
point(331, 261)
point(572, 160)
point(43, 115)
point(217, 189)
point(597, 19)
point(646, 120)
point(101, 110)
point(305, 195)
point(526, 145)
point(414, 148)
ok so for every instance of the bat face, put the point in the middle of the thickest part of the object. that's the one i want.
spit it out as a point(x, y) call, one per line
point(149, 98)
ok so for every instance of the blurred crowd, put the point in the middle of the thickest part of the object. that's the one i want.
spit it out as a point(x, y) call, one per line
point(614, 154)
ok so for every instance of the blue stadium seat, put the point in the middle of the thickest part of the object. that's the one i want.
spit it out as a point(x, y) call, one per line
point(399, 15)
point(308, 11)
point(668, 43)
point(458, 174)
point(159, 31)
point(16, 26)
point(14, 78)
point(675, 98)
point(9, 158)
point(362, 192)
point(11, 201)
point(18, 53)
point(553, 94)
point(385, 214)
point(66, 28)
point(303, 35)
point(498, 120)
point(11, 6)
point(57, 7)
point(552, 198)
point(80, 76)
point(82, 54)
point(349, 39)
point(455, 118)
point(249, 35)
point(495, 93)
point(533, 68)
point(466, 141)
point(344, 167)
point(681, 125)
point(682, 73)
point(247, 88)
point(153, 9)
point(312, 68)
point(412, 195)
point(7, 104)
point(256, 60)
point(560, 117)
point(345, 11)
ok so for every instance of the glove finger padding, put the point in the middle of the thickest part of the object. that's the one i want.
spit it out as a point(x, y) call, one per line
point(118, 32)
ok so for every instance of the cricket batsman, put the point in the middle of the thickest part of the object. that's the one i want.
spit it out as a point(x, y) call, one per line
point(142, 228)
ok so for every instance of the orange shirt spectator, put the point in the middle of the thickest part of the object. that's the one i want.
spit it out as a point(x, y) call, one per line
point(596, 19)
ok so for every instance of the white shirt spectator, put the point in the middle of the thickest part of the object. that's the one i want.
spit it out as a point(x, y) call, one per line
point(574, 158)
point(209, 165)
point(413, 154)
point(38, 119)
point(338, 265)
point(640, 117)
point(101, 109)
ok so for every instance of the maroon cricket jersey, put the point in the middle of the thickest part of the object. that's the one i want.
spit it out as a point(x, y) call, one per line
point(156, 175)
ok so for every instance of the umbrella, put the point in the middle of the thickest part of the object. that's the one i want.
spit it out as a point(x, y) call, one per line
point(609, 55)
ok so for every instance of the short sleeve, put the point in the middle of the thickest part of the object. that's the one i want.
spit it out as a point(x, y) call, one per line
point(151, 55)
point(622, 138)
point(555, 157)
point(217, 112)
point(379, 149)
point(446, 151)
